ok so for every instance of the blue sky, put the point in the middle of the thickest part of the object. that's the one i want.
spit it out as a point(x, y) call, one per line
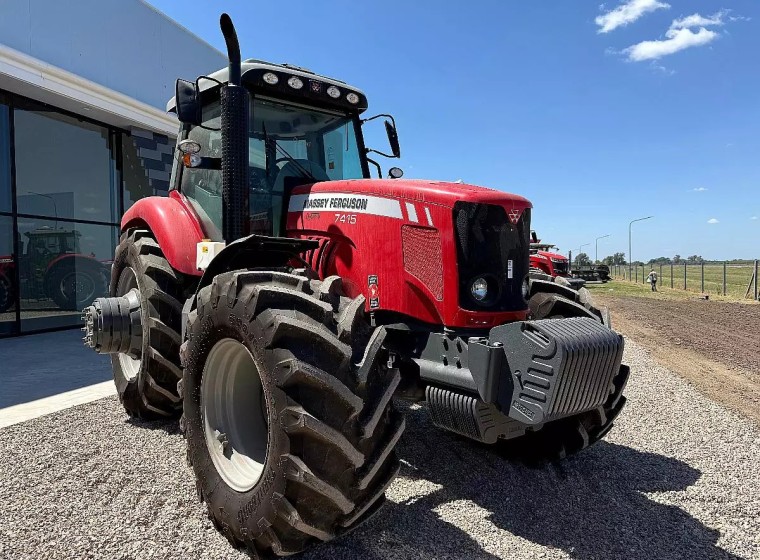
point(597, 114)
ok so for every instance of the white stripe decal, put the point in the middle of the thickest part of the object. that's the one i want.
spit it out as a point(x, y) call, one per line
point(429, 217)
point(350, 203)
point(412, 212)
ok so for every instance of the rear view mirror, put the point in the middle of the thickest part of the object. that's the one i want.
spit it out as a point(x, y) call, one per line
point(393, 139)
point(188, 102)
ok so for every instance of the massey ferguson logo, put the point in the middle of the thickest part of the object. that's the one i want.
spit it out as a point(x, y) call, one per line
point(514, 216)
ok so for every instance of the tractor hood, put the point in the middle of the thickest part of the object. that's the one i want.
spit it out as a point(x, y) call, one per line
point(553, 256)
point(423, 191)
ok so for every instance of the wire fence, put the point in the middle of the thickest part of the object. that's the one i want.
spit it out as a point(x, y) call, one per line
point(720, 278)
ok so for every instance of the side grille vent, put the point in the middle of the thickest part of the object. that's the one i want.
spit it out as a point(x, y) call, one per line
point(422, 257)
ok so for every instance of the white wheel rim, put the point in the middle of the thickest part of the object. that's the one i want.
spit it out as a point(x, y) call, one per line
point(234, 414)
point(130, 366)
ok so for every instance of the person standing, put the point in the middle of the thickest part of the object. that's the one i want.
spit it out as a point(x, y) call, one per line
point(652, 279)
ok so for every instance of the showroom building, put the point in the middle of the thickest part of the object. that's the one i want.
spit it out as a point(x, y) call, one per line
point(83, 135)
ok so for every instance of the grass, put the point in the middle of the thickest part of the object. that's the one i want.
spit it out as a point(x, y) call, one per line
point(737, 279)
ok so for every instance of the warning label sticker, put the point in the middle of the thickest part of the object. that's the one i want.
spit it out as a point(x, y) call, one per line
point(374, 292)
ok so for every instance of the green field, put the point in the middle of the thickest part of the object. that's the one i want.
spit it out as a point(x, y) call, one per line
point(738, 277)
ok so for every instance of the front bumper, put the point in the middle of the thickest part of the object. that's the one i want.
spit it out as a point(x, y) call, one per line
point(531, 372)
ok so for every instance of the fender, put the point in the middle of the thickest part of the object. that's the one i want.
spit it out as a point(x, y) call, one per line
point(174, 225)
point(270, 253)
point(86, 258)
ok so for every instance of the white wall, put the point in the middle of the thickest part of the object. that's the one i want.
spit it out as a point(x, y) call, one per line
point(124, 45)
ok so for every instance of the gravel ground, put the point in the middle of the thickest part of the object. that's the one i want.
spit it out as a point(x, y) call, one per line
point(677, 478)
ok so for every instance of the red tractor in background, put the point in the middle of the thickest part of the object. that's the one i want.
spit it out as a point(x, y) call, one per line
point(51, 266)
point(555, 265)
point(280, 298)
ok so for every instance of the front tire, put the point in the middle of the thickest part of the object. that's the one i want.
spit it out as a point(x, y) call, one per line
point(320, 462)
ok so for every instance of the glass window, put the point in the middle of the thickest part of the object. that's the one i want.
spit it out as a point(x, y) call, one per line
point(63, 267)
point(203, 187)
point(8, 291)
point(5, 158)
point(289, 145)
point(146, 160)
point(341, 155)
point(64, 167)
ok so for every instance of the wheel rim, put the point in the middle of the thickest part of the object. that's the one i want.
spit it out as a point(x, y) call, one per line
point(129, 366)
point(234, 414)
point(77, 287)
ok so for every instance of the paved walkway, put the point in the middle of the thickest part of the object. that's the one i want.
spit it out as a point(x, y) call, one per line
point(43, 373)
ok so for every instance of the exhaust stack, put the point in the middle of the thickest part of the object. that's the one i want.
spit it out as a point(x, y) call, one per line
point(234, 101)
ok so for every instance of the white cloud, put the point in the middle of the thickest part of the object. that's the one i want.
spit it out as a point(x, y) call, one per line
point(677, 40)
point(753, 218)
point(700, 189)
point(626, 13)
point(712, 221)
point(697, 20)
point(683, 33)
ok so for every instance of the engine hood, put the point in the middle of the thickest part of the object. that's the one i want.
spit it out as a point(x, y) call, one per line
point(555, 256)
point(429, 192)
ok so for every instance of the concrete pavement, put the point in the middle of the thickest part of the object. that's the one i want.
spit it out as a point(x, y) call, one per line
point(43, 373)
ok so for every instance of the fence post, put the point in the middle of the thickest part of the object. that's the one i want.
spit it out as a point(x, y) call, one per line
point(671, 276)
point(756, 279)
point(724, 278)
point(642, 274)
point(703, 276)
point(684, 276)
point(660, 278)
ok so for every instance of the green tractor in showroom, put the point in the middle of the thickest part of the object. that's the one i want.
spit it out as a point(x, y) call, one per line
point(280, 298)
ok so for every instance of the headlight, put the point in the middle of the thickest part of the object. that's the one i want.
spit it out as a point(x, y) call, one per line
point(479, 289)
point(271, 78)
point(295, 82)
point(333, 92)
point(352, 98)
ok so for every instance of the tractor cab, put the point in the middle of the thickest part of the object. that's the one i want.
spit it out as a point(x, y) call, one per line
point(303, 128)
point(52, 242)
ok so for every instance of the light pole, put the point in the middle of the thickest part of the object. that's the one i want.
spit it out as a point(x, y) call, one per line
point(55, 206)
point(580, 249)
point(596, 248)
point(630, 257)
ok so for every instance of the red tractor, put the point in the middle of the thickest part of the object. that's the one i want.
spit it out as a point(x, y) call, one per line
point(279, 299)
point(555, 265)
point(51, 266)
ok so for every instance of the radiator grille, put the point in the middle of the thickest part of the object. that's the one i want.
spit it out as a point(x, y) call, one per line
point(489, 245)
point(422, 257)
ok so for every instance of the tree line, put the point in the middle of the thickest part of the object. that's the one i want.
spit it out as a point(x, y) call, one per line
point(619, 259)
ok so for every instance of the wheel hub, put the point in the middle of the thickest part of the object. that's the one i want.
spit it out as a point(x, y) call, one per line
point(234, 416)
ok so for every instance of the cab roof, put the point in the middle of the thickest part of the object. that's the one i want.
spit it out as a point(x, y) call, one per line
point(314, 85)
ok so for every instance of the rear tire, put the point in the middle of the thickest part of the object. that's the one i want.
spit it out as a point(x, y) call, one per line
point(331, 427)
point(147, 387)
point(73, 283)
point(6, 294)
point(561, 438)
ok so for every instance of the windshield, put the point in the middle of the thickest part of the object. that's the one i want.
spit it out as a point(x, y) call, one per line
point(289, 145)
